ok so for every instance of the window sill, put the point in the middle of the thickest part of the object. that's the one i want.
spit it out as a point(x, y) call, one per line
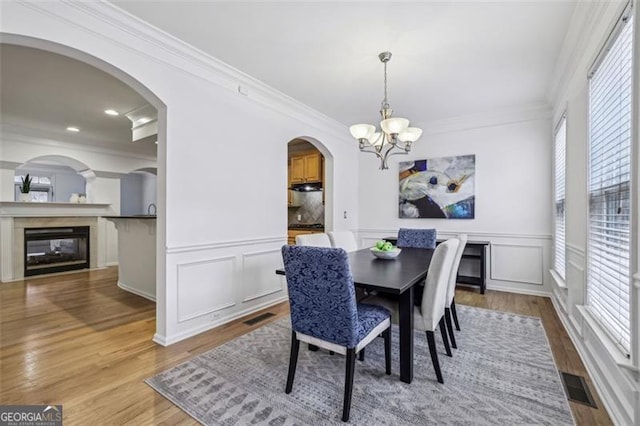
point(614, 351)
point(560, 282)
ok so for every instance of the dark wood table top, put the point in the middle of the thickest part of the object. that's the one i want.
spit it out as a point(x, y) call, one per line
point(388, 276)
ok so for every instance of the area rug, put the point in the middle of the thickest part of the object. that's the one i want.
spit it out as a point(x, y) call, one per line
point(502, 373)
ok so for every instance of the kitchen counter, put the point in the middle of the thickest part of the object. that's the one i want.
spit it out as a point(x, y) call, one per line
point(303, 227)
point(135, 216)
point(136, 254)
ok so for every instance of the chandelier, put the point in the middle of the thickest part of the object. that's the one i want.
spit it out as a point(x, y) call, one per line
point(395, 136)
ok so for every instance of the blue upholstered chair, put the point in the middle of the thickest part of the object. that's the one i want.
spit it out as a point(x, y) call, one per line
point(324, 311)
point(417, 238)
point(430, 314)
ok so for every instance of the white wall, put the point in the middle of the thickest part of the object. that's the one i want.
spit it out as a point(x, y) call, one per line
point(215, 260)
point(616, 378)
point(131, 194)
point(149, 191)
point(512, 185)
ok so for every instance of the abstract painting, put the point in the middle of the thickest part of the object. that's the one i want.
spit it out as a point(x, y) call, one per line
point(438, 188)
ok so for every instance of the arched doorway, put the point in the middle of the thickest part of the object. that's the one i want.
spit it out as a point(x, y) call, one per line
point(309, 186)
point(160, 107)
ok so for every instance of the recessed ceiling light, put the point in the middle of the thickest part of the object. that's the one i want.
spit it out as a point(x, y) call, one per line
point(73, 129)
point(111, 112)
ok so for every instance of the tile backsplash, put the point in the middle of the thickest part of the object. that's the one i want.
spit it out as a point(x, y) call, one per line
point(311, 208)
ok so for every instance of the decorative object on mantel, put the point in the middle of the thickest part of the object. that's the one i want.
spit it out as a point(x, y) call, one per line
point(78, 198)
point(395, 131)
point(25, 188)
point(438, 188)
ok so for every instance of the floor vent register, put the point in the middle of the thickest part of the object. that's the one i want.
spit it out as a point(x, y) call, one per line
point(259, 318)
point(577, 389)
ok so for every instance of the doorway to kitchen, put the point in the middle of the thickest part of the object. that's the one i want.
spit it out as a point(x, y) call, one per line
point(306, 189)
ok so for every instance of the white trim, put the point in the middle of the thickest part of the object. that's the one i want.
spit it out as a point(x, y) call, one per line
point(471, 235)
point(225, 244)
point(540, 257)
point(136, 291)
point(217, 308)
point(636, 280)
point(575, 249)
point(178, 54)
point(560, 282)
point(614, 350)
point(594, 373)
point(510, 289)
point(170, 340)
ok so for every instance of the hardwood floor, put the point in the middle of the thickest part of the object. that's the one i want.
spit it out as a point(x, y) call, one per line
point(80, 341)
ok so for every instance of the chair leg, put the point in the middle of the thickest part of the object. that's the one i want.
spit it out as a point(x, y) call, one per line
point(455, 315)
point(447, 319)
point(361, 355)
point(445, 339)
point(387, 350)
point(348, 383)
point(434, 355)
point(293, 361)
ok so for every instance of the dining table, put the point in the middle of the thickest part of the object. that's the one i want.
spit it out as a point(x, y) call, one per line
point(394, 277)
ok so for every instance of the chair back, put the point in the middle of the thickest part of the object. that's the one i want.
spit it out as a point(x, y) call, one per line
point(451, 290)
point(314, 240)
point(343, 239)
point(417, 238)
point(322, 296)
point(435, 288)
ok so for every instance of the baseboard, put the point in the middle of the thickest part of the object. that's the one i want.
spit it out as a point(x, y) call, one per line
point(136, 292)
point(519, 290)
point(170, 340)
point(114, 263)
point(594, 373)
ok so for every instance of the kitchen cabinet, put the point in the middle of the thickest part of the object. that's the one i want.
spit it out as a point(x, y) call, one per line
point(306, 168)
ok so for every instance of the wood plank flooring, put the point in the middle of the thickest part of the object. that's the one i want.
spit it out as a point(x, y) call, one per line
point(80, 341)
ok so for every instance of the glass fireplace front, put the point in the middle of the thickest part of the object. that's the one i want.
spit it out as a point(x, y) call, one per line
point(48, 250)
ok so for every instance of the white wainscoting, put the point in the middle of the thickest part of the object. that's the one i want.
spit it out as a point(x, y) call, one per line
point(613, 375)
point(521, 263)
point(517, 263)
point(212, 284)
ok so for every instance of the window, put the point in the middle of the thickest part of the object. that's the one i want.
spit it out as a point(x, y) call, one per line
point(608, 250)
point(560, 165)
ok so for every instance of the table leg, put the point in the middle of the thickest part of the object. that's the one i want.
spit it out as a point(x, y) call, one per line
point(406, 335)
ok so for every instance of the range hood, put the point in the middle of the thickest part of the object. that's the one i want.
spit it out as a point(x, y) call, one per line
point(306, 187)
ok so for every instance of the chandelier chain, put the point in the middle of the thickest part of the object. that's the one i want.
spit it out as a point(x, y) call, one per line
point(385, 103)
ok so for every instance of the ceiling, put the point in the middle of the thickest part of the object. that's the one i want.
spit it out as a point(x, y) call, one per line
point(44, 91)
point(450, 58)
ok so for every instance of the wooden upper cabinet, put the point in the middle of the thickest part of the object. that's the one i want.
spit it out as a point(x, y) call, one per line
point(297, 174)
point(313, 167)
point(306, 168)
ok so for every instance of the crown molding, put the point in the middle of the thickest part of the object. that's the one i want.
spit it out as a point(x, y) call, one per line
point(500, 117)
point(588, 15)
point(160, 46)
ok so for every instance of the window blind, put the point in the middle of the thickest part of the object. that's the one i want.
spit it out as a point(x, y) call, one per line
point(560, 143)
point(608, 251)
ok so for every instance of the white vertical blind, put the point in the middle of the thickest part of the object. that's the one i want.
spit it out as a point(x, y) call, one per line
point(560, 166)
point(608, 266)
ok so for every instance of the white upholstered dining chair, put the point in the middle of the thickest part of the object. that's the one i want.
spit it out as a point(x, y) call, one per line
point(430, 313)
point(344, 240)
point(314, 240)
point(450, 305)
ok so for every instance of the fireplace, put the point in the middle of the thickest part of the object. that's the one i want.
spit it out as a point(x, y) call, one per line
point(59, 249)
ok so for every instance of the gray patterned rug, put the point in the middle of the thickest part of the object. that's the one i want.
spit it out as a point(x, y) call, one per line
point(502, 373)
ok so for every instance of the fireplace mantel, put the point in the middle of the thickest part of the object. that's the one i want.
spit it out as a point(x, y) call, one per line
point(21, 209)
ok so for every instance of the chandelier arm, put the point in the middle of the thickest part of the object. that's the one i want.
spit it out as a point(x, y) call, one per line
point(376, 152)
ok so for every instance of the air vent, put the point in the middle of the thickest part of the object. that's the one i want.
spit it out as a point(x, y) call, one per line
point(255, 320)
point(577, 389)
